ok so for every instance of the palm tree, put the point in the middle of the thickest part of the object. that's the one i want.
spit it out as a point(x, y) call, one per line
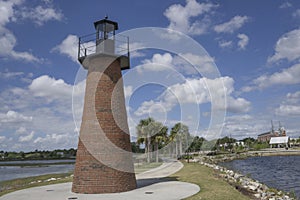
point(144, 135)
point(160, 138)
point(181, 136)
point(151, 132)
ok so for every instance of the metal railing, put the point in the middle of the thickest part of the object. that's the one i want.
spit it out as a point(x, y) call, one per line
point(88, 45)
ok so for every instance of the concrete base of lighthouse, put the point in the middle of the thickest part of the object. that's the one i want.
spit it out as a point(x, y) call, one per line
point(104, 161)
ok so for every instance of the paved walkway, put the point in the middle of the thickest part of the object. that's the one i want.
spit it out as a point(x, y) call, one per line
point(152, 184)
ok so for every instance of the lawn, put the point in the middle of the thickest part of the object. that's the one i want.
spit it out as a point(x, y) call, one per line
point(23, 183)
point(211, 186)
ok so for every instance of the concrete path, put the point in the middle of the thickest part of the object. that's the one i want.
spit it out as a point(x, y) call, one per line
point(152, 184)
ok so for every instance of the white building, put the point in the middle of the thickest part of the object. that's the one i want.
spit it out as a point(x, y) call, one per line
point(282, 141)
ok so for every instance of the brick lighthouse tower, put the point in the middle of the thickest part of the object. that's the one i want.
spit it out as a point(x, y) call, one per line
point(104, 161)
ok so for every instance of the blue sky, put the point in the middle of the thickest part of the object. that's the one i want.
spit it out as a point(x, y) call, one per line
point(254, 45)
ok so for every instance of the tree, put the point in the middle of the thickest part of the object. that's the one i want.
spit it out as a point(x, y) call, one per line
point(150, 132)
point(196, 143)
point(160, 137)
point(181, 136)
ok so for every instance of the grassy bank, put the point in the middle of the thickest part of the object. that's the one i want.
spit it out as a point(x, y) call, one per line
point(212, 187)
point(23, 183)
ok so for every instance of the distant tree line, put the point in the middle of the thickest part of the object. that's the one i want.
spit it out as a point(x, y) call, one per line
point(38, 155)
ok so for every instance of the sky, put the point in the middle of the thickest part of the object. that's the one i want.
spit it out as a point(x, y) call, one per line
point(252, 48)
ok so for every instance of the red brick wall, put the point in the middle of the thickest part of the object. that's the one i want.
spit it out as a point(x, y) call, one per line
point(104, 159)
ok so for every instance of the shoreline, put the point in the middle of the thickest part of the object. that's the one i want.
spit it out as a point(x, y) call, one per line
point(246, 185)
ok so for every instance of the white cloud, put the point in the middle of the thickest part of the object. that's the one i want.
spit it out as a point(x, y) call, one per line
point(290, 106)
point(202, 63)
point(242, 126)
point(45, 107)
point(225, 44)
point(127, 91)
point(234, 24)
point(238, 105)
point(50, 88)
point(244, 40)
point(14, 117)
point(2, 138)
point(285, 5)
point(287, 47)
point(7, 10)
point(287, 76)
point(21, 130)
point(159, 61)
point(69, 47)
point(41, 14)
point(186, 63)
point(288, 110)
point(8, 41)
point(56, 140)
point(8, 75)
point(198, 91)
point(180, 17)
point(26, 138)
point(296, 13)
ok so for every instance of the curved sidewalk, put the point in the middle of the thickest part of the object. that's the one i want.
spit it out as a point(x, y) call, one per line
point(152, 184)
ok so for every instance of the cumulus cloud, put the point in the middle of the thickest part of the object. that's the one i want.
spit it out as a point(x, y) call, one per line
point(234, 24)
point(41, 14)
point(8, 75)
point(241, 126)
point(180, 17)
point(296, 13)
point(186, 63)
point(69, 47)
point(198, 91)
point(2, 138)
point(45, 107)
point(26, 138)
point(285, 5)
point(50, 88)
point(128, 91)
point(290, 106)
point(287, 47)
point(158, 62)
point(14, 117)
point(21, 130)
point(287, 76)
point(225, 44)
point(243, 42)
point(13, 10)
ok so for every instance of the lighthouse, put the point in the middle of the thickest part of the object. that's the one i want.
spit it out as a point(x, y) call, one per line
point(104, 162)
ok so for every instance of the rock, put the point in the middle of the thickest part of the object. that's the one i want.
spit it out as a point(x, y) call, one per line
point(258, 195)
point(256, 184)
point(237, 176)
point(252, 187)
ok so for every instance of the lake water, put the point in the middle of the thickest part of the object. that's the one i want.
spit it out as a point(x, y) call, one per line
point(14, 172)
point(281, 172)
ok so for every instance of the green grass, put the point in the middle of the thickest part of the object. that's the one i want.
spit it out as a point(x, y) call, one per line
point(23, 183)
point(211, 186)
point(35, 164)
